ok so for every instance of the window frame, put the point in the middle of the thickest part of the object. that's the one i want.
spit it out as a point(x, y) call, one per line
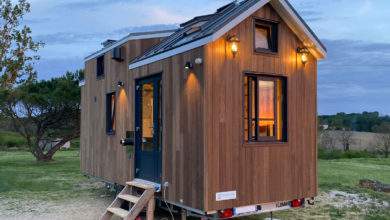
point(110, 117)
point(273, 35)
point(100, 73)
point(247, 120)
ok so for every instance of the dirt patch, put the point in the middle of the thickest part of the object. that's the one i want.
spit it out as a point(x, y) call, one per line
point(75, 209)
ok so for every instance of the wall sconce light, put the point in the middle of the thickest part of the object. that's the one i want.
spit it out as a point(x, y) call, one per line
point(304, 52)
point(188, 65)
point(233, 40)
point(121, 84)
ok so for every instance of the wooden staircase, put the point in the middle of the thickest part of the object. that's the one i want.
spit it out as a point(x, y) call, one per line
point(138, 195)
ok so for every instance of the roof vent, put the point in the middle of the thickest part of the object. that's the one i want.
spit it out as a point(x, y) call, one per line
point(108, 42)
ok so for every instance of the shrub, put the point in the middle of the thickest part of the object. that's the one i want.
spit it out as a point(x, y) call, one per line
point(11, 143)
point(10, 140)
point(328, 154)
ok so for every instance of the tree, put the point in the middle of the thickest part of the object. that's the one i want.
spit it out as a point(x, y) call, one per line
point(383, 137)
point(345, 136)
point(327, 139)
point(17, 48)
point(44, 110)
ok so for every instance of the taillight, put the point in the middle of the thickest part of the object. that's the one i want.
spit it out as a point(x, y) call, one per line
point(297, 203)
point(227, 213)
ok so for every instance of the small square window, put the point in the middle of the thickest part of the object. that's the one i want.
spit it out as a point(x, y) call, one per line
point(100, 67)
point(265, 36)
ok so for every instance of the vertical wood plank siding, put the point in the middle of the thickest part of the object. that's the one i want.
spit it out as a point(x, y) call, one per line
point(101, 154)
point(182, 96)
point(259, 173)
point(182, 126)
point(203, 143)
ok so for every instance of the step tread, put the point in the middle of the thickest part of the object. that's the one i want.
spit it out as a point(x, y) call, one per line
point(140, 185)
point(129, 198)
point(119, 212)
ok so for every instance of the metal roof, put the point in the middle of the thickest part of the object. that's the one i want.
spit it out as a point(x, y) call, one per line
point(204, 29)
point(131, 36)
point(213, 23)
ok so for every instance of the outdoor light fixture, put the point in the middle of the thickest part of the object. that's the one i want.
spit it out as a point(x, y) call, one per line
point(121, 84)
point(304, 52)
point(233, 44)
point(188, 65)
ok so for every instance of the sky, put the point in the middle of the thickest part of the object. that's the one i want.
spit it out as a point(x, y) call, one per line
point(355, 77)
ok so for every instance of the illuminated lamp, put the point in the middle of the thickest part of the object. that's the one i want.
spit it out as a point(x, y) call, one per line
point(188, 65)
point(304, 53)
point(233, 40)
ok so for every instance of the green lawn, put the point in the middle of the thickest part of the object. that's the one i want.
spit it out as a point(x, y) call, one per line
point(22, 177)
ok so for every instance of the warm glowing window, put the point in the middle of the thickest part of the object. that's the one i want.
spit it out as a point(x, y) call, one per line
point(265, 108)
point(266, 36)
point(110, 113)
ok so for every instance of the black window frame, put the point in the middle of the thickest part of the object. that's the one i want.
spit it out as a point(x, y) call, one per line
point(272, 27)
point(100, 67)
point(110, 116)
point(117, 54)
point(247, 114)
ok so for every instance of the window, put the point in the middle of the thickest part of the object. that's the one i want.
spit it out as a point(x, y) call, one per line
point(100, 67)
point(110, 113)
point(266, 36)
point(265, 108)
point(117, 54)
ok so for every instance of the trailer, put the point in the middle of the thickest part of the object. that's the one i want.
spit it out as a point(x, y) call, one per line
point(217, 117)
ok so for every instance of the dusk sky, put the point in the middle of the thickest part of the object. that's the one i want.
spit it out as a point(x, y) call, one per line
point(355, 77)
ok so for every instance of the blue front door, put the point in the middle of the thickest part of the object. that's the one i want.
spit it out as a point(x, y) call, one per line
point(148, 129)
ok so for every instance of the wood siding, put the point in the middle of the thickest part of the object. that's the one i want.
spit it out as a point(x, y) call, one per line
point(101, 154)
point(203, 144)
point(259, 173)
point(182, 126)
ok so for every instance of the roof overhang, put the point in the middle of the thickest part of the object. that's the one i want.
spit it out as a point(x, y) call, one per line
point(282, 7)
point(132, 36)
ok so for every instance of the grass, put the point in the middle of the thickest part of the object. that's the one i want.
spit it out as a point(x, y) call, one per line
point(344, 175)
point(22, 177)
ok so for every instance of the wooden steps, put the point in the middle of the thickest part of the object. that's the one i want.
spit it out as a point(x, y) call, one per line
point(129, 198)
point(119, 212)
point(139, 195)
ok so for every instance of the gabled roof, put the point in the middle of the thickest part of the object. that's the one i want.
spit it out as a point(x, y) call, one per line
point(202, 30)
point(132, 36)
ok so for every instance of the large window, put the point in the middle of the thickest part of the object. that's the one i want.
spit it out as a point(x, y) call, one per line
point(265, 108)
point(100, 67)
point(110, 113)
point(265, 36)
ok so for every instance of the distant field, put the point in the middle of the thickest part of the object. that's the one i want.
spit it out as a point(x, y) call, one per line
point(28, 188)
point(360, 140)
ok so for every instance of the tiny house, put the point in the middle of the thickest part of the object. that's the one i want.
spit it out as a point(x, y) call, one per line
point(219, 114)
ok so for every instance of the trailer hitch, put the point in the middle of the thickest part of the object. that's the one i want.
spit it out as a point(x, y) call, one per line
point(310, 201)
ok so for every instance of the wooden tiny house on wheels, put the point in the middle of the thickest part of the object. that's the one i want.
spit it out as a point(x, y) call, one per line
point(217, 117)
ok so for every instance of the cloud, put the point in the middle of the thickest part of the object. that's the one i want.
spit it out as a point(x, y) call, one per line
point(354, 77)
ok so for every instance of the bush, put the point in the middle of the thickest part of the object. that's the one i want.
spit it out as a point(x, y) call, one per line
point(328, 154)
point(11, 143)
point(11, 140)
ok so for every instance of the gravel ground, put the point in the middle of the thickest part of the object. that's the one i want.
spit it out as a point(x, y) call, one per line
point(91, 209)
